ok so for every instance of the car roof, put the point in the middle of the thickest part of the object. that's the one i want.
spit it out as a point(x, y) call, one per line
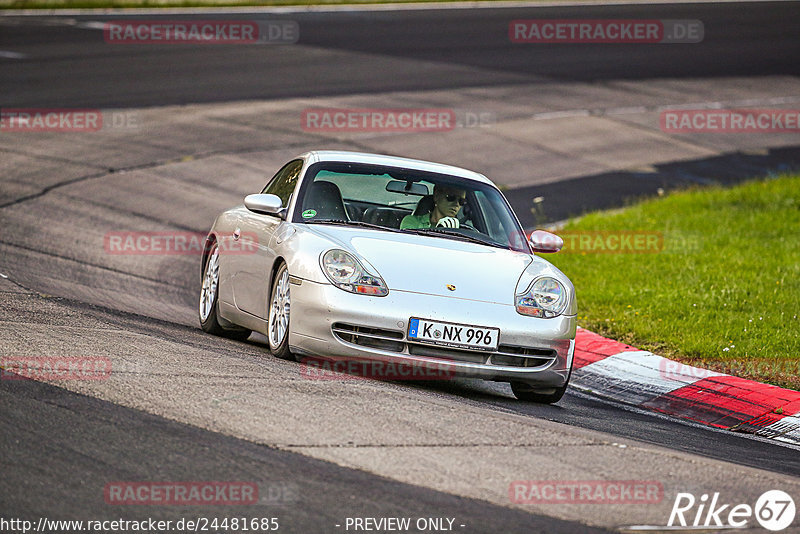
point(392, 161)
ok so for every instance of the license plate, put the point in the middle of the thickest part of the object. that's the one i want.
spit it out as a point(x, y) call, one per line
point(455, 335)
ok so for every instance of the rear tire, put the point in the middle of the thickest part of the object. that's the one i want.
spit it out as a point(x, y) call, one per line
point(525, 392)
point(279, 314)
point(209, 302)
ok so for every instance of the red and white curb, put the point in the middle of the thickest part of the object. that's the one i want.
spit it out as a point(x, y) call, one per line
point(626, 374)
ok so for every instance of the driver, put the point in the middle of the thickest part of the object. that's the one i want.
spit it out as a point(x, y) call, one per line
point(447, 201)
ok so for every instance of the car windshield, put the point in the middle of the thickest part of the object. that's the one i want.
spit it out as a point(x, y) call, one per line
point(408, 201)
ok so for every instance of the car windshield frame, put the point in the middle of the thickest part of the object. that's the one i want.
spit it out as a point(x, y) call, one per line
point(416, 175)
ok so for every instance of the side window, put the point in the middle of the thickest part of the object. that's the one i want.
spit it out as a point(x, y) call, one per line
point(494, 226)
point(283, 183)
point(499, 224)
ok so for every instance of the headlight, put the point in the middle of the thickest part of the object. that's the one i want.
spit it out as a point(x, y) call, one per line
point(545, 297)
point(346, 272)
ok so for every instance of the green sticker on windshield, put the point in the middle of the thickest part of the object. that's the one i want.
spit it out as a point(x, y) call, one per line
point(307, 214)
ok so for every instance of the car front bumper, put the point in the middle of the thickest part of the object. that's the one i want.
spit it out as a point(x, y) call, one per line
point(327, 322)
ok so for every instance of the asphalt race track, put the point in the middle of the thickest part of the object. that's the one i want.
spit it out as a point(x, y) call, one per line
point(754, 39)
point(215, 122)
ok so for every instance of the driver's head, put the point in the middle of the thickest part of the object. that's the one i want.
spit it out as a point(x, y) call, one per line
point(448, 200)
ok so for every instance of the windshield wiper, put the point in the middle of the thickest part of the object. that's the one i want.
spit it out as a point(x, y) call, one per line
point(362, 224)
point(457, 235)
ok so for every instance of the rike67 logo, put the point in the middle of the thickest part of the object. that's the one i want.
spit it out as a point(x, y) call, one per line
point(774, 510)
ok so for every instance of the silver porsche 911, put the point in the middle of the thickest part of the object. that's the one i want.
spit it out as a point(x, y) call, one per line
point(360, 256)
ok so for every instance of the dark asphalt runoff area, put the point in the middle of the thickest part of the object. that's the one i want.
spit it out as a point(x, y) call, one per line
point(58, 448)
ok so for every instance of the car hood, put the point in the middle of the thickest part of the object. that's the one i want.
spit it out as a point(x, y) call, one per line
point(432, 265)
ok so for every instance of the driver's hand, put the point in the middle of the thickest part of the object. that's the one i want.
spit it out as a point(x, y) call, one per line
point(447, 222)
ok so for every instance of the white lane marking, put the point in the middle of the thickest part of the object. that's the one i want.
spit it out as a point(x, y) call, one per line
point(92, 25)
point(12, 55)
point(567, 113)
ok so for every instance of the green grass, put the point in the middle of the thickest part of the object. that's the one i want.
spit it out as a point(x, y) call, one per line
point(724, 293)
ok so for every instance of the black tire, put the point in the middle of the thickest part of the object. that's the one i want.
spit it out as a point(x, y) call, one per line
point(279, 315)
point(208, 308)
point(525, 392)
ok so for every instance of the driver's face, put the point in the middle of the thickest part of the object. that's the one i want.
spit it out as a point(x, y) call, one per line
point(449, 201)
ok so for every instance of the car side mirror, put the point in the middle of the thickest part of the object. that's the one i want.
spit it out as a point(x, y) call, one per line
point(266, 204)
point(545, 242)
